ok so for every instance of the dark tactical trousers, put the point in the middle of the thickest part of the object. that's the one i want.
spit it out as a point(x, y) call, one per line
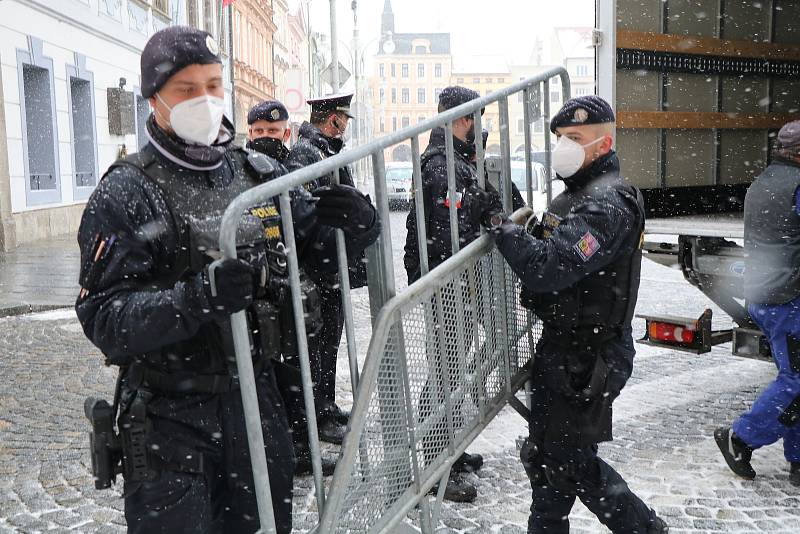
point(221, 498)
point(580, 473)
point(325, 350)
point(566, 466)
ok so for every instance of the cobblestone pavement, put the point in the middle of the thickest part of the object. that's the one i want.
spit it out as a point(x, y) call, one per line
point(663, 425)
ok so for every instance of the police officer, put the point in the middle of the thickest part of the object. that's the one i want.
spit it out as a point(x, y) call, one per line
point(580, 271)
point(147, 239)
point(268, 129)
point(268, 133)
point(318, 139)
point(772, 290)
point(436, 202)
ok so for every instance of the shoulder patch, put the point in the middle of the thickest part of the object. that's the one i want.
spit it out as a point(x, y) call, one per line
point(587, 246)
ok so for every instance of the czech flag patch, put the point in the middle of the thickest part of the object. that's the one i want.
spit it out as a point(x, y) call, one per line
point(587, 246)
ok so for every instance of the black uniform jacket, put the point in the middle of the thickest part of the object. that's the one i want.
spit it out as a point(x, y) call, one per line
point(434, 196)
point(129, 310)
point(591, 236)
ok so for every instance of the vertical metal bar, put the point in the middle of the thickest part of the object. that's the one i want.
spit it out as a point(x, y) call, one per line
point(548, 153)
point(425, 517)
point(455, 243)
point(252, 421)
point(302, 346)
point(526, 117)
point(479, 150)
point(451, 187)
point(419, 207)
point(505, 152)
point(347, 304)
point(382, 203)
point(379, 269)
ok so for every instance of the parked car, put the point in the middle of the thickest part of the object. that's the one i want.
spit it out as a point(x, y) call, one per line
point(399, 184)
point(538, 178)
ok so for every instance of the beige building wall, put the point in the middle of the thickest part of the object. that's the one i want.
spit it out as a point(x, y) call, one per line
point(405, 91)
point(253, 31)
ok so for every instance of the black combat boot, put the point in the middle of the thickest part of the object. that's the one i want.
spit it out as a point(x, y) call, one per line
point(736, 452)
point(468, 463)
point(340, 416)
point(658, 526)
point(331, 431)
point(458, 489)
point(303, 466)
point(794, 474)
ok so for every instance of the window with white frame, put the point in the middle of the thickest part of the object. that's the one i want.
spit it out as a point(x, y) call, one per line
point(582, 70)
point(406, 96)
point(82, 124)
point(39, 131)
point(421, 95)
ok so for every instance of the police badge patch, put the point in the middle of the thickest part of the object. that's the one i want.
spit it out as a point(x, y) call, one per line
point(212, 45)
point(581, 115)
point(587, 246)
point(275, 114)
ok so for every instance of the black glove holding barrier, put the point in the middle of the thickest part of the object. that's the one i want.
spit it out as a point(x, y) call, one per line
point(227, 285)
point(484, 205)
point(344, 207)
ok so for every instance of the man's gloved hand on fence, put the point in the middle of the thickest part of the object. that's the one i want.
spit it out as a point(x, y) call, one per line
point(234, 286)
point(344, 207)
point(484, 205)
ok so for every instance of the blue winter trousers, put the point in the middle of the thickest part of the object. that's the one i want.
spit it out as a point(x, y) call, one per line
point(761, 425)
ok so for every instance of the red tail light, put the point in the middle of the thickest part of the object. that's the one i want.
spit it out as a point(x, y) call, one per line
point(671, 333)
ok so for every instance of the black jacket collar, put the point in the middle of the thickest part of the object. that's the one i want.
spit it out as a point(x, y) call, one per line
point(603, 165)
point(438, 144)
point(328, 145)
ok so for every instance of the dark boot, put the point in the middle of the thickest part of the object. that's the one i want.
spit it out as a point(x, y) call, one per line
point(458, 489)
point(303, 466)
point(331, 431)
point(340, 416)
point(736, 452)
point(658, 526)
point(794, 474)
point(468, 463)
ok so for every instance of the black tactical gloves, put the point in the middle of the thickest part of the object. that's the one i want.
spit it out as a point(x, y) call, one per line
point(484, 206)
point(344, 207)
point(228, 286)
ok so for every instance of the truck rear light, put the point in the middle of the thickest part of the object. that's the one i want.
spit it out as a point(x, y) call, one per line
point(681, 333)
point(668, 332)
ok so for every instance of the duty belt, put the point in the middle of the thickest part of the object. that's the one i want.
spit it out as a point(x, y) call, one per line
point(141, 376)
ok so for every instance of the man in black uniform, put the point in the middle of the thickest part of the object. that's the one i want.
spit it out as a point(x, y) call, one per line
point(268, 131)
point(580, 271)
point(436, 202)
point(156, 308)
point(319, 139)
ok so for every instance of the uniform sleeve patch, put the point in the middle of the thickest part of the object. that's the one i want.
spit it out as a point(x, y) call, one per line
point(587, 246)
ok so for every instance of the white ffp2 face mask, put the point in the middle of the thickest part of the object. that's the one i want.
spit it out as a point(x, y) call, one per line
point(568, 156)
point(197, 120)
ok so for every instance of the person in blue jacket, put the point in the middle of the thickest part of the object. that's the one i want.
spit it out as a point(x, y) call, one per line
point(580, 272)
point(772, 291)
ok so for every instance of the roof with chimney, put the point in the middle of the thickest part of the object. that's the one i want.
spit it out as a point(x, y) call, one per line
point(404, 43)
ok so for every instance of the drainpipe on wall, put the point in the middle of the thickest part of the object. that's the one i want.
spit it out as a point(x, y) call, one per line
point(8, 233)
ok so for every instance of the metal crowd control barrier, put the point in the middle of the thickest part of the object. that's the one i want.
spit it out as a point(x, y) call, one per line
point(446, 355)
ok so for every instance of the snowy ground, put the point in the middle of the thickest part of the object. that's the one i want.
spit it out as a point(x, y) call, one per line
point(663, 425)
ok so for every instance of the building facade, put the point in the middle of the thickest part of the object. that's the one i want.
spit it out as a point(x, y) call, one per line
point(70, 103)
point(298, 81)
point(410, 71)
point(484, 74)
point(253, 64)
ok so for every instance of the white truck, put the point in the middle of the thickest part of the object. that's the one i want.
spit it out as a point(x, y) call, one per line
point(700, 88)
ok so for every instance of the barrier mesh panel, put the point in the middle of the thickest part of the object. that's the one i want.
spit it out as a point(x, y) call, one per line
point(450, 356)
